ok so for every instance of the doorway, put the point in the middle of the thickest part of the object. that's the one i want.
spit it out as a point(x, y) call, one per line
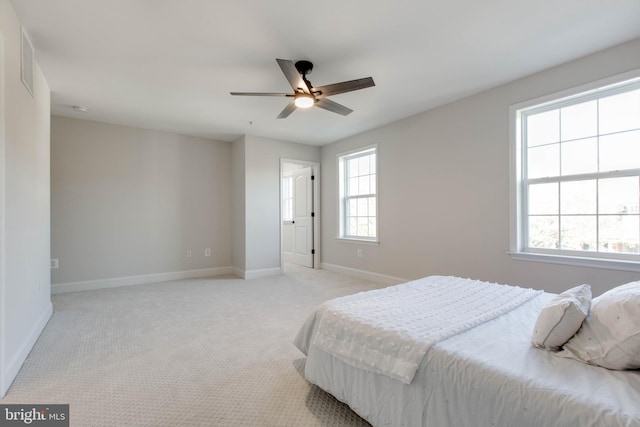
point(299, 213)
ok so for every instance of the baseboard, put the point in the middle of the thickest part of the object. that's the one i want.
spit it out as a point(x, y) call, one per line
point(363, 274)
point(59, 288)
point(238, 272)
point(265, 272)
point(14, 366)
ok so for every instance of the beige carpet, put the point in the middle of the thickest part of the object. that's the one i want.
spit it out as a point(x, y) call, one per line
point(202, 352)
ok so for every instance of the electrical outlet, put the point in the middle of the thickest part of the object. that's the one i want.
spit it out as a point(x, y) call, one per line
point(207, 252)
point(55, 263)
point(189, 253)
point(359, 253)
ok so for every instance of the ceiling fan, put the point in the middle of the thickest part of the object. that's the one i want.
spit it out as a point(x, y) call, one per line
point(305, 95)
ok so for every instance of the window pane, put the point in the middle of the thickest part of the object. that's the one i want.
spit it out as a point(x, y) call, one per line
point(543, 232)
point(363, 226)
point(543, 128)
point(543, 199)
point(287, 198)
point(286, 186)
point(620, 233)
point(620, 112)
point(363, 207)
point(578, 233)
point(372, 206)
point(353, 187)
point(619, 195)
point(543, 161)
point(352, 207)
point(579, 120)
point(620, 151)
point(580, 156)
point(578, 197)
point(353, 226)
point(353, 168)
point(364, 165)
point(372, 163)
point(363, 185)
point(287, 212)
point(372, 227)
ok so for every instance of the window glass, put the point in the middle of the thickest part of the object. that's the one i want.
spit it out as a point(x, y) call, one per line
point(620, 112)
point(543, 199)
point(578, 197)
point(579, 156)
point(543, 128)
point(579, 121)
point(620, 151)
point(544, 161)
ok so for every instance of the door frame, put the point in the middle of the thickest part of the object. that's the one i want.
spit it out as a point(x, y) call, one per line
point(315, 168)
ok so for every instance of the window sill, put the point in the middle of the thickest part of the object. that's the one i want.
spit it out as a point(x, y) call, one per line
point(357, 241)
point(609, 264)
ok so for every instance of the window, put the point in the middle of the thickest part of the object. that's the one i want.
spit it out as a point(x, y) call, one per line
point(578, 187)
point(287, 198)
point(358, 194)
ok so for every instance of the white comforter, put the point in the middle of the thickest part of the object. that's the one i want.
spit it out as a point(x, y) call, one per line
point(489, 375)
point(388, 331)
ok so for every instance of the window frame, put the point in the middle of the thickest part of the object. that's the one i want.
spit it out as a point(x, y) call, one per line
point(518, 204)
point(343, 200)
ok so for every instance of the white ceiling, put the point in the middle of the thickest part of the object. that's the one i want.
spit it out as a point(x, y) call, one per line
point(170, 65)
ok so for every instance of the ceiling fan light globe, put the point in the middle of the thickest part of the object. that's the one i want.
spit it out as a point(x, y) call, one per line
point(304, 101)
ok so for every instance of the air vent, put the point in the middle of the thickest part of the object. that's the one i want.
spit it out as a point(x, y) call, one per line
point(27, 63)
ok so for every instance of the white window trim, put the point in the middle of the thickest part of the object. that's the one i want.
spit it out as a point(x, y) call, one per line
point(341, 235)
point(359, 241)
point(516, 235)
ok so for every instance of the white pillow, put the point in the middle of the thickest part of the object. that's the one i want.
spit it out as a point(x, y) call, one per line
point(561, 318)
point(610, 335)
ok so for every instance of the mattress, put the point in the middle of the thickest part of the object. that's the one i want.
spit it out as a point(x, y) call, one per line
point(489, 375)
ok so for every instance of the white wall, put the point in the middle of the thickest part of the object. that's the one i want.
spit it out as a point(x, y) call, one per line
point(25, 304)
point(444, 187)
point(129, 202)
point(262, 198)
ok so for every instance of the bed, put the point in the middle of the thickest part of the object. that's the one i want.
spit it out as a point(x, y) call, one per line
point(483, 372)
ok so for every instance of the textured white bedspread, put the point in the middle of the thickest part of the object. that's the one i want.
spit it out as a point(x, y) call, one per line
point(389, 331)
point(490, 375)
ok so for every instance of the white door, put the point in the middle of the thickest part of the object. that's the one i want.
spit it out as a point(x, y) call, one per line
point(303, 217)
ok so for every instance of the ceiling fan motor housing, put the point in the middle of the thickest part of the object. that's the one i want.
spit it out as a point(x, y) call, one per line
point(304, 67)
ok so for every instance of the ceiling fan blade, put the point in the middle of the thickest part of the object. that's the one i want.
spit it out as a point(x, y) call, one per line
point(287, 110)
point(328, 104)
point(292, 75)
point(260, 94)
point(351, 85)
